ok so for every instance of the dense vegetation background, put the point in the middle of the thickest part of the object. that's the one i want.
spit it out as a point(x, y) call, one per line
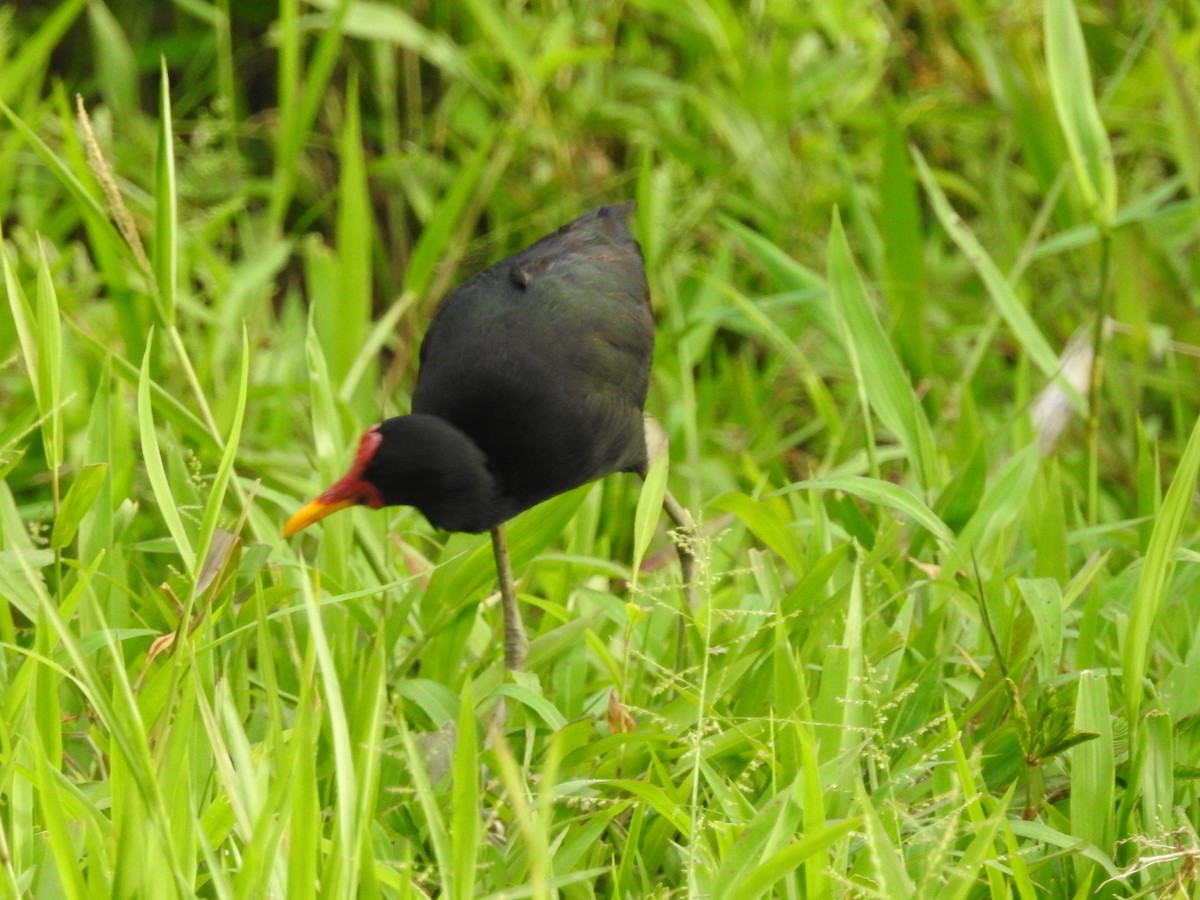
point(947, 637)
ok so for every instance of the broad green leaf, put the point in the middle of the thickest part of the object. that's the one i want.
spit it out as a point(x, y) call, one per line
point(305, 831)
point(787, 271)
point(535, 702)
point(368, 730)
point(959, 499)
point(51, 797)
point(374, 21)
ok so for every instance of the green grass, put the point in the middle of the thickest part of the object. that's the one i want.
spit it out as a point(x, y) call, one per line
point(938, 650)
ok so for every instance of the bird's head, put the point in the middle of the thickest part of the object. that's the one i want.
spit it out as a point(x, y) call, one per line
point(355, 488)
point(416, 460)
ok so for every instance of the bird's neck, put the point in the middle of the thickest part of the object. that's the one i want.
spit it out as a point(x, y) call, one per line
point(426, 462)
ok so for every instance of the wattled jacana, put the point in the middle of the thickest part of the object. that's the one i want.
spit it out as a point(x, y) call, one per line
point(533, 375)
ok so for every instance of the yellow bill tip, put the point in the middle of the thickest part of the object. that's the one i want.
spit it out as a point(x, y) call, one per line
point(313, 512)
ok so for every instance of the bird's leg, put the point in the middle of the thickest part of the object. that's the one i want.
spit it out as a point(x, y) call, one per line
point(685, 546)
point(516, 644)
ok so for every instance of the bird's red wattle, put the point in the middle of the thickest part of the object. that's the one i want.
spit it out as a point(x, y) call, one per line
point(352, 486)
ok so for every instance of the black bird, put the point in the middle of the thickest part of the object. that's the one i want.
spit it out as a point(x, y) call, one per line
point(533, 375)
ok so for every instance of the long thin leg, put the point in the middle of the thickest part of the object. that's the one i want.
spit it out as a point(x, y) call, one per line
point(685, 547)
point(516, 644)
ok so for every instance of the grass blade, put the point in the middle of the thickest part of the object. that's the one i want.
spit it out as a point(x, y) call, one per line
point(216, 496)
point(116, 63)
point(33, 52)
point(878, 370)
point(1156, 570)
point(298, 108)
point(76, 504)
point(166, 213)
point(1026, 331)
point(1002, 502)
point(343, 316)
point(1092, 769)
point(86, 203)
point(893, 880)
point(341, 870)
point(649, 507)
point(1043, 598)
point(49, 364)
point(464, 822)
point(439, 839)
point(154, 466)
point(50, 800)
point(883, 493)
point(903, 249)
point(1078, 115)
point(24, 322)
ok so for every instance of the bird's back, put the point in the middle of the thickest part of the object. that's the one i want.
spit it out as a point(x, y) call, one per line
point(543, 360)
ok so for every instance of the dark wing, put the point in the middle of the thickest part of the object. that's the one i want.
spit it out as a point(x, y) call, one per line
point(544, 359)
